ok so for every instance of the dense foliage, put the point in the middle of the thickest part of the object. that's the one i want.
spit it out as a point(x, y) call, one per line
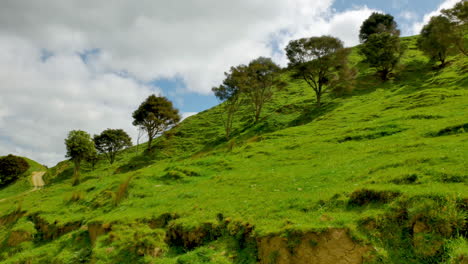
point(382, 51)
point(79, 146)
point(458, 16)
point(111, 141)
point(378, 23)
point(437, 39)
point(11, 167)
point(318, 61)
point(155, 115)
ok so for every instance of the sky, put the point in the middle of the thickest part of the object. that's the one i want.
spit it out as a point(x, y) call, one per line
point(87, 64)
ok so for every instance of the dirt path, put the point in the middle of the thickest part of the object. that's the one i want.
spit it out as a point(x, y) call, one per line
point(36, 180)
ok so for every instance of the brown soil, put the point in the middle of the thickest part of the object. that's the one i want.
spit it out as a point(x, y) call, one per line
point(332, 246)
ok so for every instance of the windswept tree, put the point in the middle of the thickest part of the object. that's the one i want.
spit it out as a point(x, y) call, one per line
point(382, 51)
point(317, 61)
point(229, 92)
point(437, 39)
point(260, 83)
point(155, 115)
point(111, 141)
point(79, 146)
point(378, 23)
point(11, 167)
point(458, 17)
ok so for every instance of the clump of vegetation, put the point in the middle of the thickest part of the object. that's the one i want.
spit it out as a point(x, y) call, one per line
point(11, 167)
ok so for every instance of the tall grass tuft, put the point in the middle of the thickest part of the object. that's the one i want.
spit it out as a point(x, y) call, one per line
point(121, 192)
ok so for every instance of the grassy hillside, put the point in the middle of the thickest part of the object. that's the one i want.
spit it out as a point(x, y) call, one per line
point(24, 182)
point(383, 169)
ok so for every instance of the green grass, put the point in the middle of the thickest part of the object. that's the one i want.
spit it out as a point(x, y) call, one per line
point(294, 170)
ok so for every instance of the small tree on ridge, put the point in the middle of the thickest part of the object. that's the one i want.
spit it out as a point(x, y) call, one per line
point(79, 146)
point(155, 115)
point(111, 141)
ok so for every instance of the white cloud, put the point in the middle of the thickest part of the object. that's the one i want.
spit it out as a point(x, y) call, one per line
point(188, 114)
point(408, 15)
point(43, 97)
point(445, 5)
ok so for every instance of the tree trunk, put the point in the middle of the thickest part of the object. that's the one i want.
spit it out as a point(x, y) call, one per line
point(76, 173)
point(384, 74)
point(150, 139)
point(319, 97)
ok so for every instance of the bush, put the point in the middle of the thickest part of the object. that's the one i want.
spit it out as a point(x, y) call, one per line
point(11, 167)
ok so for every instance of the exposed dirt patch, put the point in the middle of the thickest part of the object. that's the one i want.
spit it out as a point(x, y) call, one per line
point(332, 246)
point(51, 231)
point(178, 236)
point(18, 237)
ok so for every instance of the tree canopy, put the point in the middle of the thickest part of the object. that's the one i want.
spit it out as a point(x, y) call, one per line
point(111, 141)
point(383, 52)
point(79, 146)
point(437, 39)
point(155, 115)
point(230, 92)
point(11, 167)
point(261, 80)
point(458, 16)
point(317, 61)
point(378, 23)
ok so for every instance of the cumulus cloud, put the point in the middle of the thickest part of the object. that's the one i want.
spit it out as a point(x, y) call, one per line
point(84, 64)
point(445, 5)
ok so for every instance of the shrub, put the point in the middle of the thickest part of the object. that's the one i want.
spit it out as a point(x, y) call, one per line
point(11, 167)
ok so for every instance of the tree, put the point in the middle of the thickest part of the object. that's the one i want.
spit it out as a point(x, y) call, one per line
point(111, 141)
point(378, 23)
point(155, 115)
point(317, 61)
point(79, 146)
point(11, 167)
point(458, 16)
point(437, 39)
point(260, 80)
point(230, 93)
point(383, 52)
point(92, 158)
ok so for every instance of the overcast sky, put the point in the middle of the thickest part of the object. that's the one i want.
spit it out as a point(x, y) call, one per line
point(88, 64)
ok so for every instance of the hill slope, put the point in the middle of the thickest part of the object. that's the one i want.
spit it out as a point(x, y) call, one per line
point(378, 175)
